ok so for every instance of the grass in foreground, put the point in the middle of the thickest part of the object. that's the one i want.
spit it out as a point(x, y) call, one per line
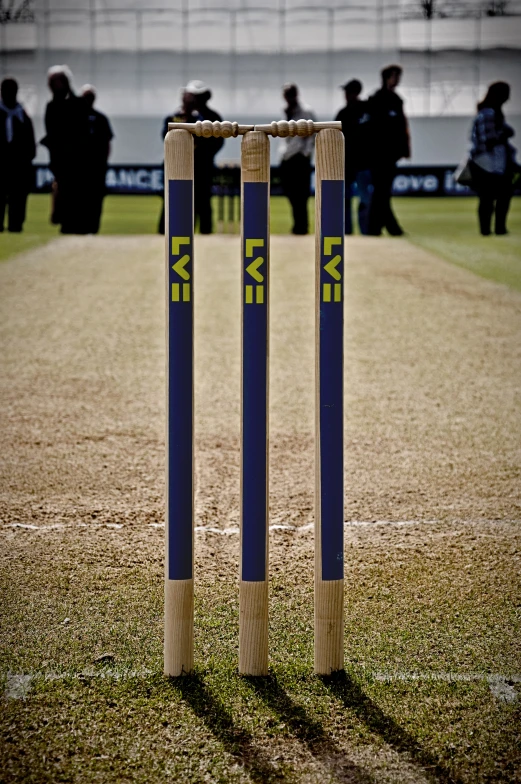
point(436, 605)
point(447, 227)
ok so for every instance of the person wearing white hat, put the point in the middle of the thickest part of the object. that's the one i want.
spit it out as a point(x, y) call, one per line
point(205, 152)
point(295, 164)
point(67, 133)
point(194, 106)
point(185, 113)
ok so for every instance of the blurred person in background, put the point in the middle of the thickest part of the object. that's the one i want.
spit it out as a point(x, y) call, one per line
point(67, 136)
point(389, 141)
point(185, 113)
point(492, 160)
point(295, 166)
point(98, 151)
point(205, 152)
point(17, 150)
point(355, 118)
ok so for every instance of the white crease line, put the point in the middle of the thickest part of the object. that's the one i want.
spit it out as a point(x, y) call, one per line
point(446, 677)
point(55, 526)
point(501, 686)
point(18, 685)
point(273, 527)
point(503, 692)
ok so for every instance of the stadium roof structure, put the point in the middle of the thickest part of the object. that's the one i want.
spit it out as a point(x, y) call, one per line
point(142, 51)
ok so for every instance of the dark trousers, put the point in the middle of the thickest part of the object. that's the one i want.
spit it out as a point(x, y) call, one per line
point(95, 195)
point(381, 215)
point(296, 181)
point(203, 178)
point(71, 203)
point(495, 194)
point(361, 180)
point(13, 197)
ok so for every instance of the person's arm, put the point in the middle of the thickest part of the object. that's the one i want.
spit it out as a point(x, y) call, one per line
point(506, 132)
point(109, 135)
point(407, 145)
point(165, 127)
point(31, 143)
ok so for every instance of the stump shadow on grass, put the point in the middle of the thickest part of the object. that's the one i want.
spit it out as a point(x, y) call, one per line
point(344, 688)
point(219, 720)
point(241, 744)
point(309, 731)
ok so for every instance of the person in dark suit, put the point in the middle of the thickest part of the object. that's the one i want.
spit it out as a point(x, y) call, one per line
point(295, 164)
point(389, 141)
point(355, 121)
point(204, 154)
point(67, 138)
point(185, 113)
point(98, 151)
point(17, 150)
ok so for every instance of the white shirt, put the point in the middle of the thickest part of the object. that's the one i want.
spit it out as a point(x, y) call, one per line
point(293, 145)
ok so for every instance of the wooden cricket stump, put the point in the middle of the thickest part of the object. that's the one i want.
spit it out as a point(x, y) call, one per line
point(179, 526)
point(253, 590)
point(329, 425)
point(329, 366)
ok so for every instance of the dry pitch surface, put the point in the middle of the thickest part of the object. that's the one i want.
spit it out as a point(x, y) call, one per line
point(432, 500)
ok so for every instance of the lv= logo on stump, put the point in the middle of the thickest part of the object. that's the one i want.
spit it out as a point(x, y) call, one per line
point(253, 270)
point(181, 291)
point(254, 490)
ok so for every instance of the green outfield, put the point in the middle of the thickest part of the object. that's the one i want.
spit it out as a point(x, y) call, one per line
point(448, 227)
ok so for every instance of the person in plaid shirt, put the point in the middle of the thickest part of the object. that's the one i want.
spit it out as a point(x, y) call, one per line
point(492, 160)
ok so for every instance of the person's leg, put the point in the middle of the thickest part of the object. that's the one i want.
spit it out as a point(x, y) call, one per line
point(205, 210)
point(296, 181)
point(376, 219)
point(74, 191)
point(96, 196)
point(485, 210)
point(291, 191)
point(364, 186)
point(504, 197)
point(203, 177)
point(348, 217)
point(285, 181)
point(301, 194)
point(3, 204)
point(17, 209)
point(161, 224)
point(95, 212)
point(483, 186)
point(389, 218)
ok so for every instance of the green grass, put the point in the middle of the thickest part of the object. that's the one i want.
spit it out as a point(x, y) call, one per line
point(410, 615)
point(446, 227)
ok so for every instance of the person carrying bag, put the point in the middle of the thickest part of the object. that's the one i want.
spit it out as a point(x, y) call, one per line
point(492, 160)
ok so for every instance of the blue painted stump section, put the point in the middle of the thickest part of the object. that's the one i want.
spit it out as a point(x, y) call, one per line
point(331, 379)
point(180, 381)
point(254, 499)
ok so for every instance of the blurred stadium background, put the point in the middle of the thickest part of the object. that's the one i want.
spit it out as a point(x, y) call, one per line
point(138, 54)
